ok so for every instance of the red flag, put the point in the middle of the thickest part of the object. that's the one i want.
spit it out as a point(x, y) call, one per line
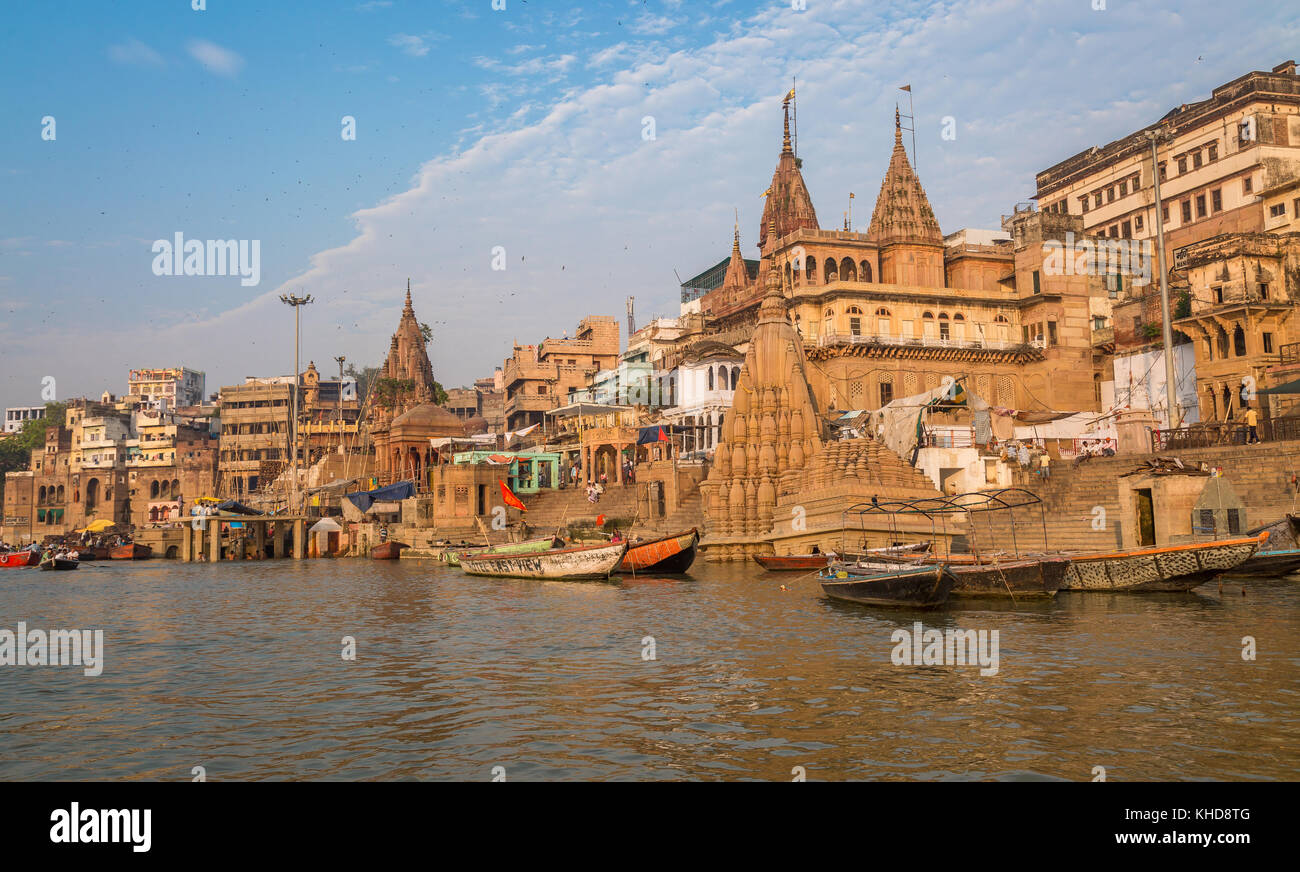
point(600, 520)
point(663, 437)
point(511, 500)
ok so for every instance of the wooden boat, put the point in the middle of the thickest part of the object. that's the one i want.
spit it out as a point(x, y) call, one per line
point(17, 559)
point(453, 557)
point(893, 553)
point(1166, 568)
point(59, 563)
point(94, 552)
point(1279, 556)
point(388, 550)
point(792, 562)
point(1025, 578)
point(131, 551)
point(667, 554)
point(918, 587)
point(581, 562)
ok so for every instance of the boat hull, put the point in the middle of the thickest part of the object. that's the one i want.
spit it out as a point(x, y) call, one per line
point(670, 554)
point(1018, 579)
point(1269, 564)
point(1170, 568)
point(924, 587)
point(561, 564)
point(134, 551)
point(388, 551)
point(59, 563)
point(453, 557)
point(19, 559)
point(792, 562)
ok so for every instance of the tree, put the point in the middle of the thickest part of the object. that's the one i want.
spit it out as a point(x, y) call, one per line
point(16, 449)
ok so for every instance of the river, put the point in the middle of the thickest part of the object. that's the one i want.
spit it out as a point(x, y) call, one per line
point(239, 669)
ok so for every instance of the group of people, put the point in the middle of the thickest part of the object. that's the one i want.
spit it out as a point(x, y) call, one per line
point(1095, 448)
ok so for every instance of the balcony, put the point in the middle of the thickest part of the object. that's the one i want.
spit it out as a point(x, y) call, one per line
point(829, 339)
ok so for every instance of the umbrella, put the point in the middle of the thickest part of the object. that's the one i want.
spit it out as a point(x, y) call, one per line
point(97, 526)
point(326, 525)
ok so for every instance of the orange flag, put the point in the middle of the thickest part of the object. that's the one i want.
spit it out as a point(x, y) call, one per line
point(600, 521)
point(511, 500)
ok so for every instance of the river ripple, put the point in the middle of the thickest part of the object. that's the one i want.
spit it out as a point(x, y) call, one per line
point(237, 668)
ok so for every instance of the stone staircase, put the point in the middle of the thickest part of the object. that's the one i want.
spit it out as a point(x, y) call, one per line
point(551, 509)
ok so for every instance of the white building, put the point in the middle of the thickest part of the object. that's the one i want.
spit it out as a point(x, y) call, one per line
point(702, 386)
point(17, 416)
point(166, 388)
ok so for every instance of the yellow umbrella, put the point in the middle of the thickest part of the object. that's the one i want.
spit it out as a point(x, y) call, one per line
point(98, 526)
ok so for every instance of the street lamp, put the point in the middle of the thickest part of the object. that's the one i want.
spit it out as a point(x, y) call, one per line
point(340, 360)
point(1171, 385)
point(297, 302)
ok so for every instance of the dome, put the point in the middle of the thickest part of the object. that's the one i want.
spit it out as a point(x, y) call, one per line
point(429, 420)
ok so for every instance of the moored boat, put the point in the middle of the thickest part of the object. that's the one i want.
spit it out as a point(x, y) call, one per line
point(388, 550)
point(580, 562)
point(93, 552)
point(1279, 556)
point(131, 551)
point(1029, 578)
point(919, 587)
point(453, 556)
point(893, 553)
point(59, 563)
point(792, 562)
point(668, 554)
point(17, 559)
point(1164, 568)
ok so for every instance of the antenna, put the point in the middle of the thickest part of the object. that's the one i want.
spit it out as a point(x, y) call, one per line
point(794, 134)
point(911, 118)
point(631, 318)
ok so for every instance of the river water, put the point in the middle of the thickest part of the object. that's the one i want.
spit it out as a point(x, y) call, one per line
point(239, 669)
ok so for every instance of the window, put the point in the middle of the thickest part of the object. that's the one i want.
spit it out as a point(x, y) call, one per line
point(1213, 150)
point(1200, 206)
point(1295, 207)
point(1098, 322)
point(1182, 165)
point(1187, 211)
point(1096, 199)
point(1196, 159)
point(943, 327)
point(1083, 203)
point(1137, 222)
point(1268, 343)
point(1114, 231)
point(1248, 185)
point(1216, 200)
point(1239, 341)
point(1164, 213)
point(855, 326)
point(1218, 294)
point(1126, 230)
point(886, 392)
point(1038, 288)
point(882, 312)
point(1277, 211)
point(1262, 287)
point(1110, 195)
point(1137, 324)
point(1164, 175)
point(1051, 332)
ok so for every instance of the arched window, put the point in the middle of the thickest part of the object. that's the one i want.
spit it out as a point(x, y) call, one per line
point(854, 310)
point(1239, 341)
point(810, 270)
point(882, 312)
point(735, 377)
point(928, 315)
point(40, 496)
point(92, 493)
point(1001, 319)
point(710, 378)
point(153, 490)
point(958, 317)
point(832, 271)
point(60, 496)
point(848, 270)
point(828, 322)
point(789, 274)
point(864, 271)
point(944, 329)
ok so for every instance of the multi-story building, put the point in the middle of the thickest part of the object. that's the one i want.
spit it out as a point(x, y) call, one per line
point(255, 433)
point(16, 417)
point(171, 387)
point(539, 377)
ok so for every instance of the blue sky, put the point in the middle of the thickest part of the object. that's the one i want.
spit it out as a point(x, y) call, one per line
point(520, 128)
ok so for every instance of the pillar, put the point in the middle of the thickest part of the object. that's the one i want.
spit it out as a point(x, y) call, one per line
point(214, 540)
point(187, 543)
point(618, 463)
point(299, 538)
point(259, 539)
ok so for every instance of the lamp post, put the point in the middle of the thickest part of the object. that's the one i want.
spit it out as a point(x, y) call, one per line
point(1171, 383)
point(339, 360)
point(297, 302)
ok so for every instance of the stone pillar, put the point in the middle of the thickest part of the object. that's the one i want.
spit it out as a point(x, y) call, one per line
point(299, 538)
point(259, 539)
point(618, 463)
point(187, 543)
point(214, 540)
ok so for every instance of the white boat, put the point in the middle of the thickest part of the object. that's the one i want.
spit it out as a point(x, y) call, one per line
point(1167, 568)
point(580, 562)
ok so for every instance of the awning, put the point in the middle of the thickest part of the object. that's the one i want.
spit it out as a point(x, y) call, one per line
point(97, 526)
point(660, 433)
point(326, 525)
point(1291, 387)
point(236, 508)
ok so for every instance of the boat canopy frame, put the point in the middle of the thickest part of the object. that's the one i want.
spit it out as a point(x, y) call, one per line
point(938, 509)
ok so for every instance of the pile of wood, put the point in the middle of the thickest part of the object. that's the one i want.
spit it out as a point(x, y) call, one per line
point(1168, 466)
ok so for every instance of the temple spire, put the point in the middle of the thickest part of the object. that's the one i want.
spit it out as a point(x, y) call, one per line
point(785, 146)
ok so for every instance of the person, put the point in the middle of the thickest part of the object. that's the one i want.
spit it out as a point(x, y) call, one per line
point(816, 550)
point(1252, 421)
point(617, 537)
point(1044, 465)
point(591, 493)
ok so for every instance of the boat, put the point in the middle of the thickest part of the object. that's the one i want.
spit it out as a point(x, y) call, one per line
point(388, 550)
point(1279, 556)
point(94, 552)
point(894, 553)
point(130, 551)
point(920, 587)
point(17, 559)
point(580, 562)
point(453, 556)
point(667, 554)
point(1028, 577)
point(792, 562)
point(1162, 568)
point(59, 563)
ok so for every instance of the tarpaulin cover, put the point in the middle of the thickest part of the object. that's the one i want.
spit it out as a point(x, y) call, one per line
point(236, 508)
point(898, 423)
point(400, 491)
point(659, 433)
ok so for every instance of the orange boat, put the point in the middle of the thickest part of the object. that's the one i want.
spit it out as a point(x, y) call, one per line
point(668, 554)
point(16, 559)
point(131, 551)
point(1166, 568)
point(792, 562)
point(388, 551)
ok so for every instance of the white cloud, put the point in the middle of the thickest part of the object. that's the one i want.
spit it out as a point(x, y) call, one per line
point(215, 58)
point(411, 44)
point(135, 53)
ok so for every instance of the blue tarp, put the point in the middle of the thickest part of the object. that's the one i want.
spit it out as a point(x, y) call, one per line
point(400, 491)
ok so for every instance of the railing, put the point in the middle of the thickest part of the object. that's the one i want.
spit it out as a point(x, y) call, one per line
point(922, 341)
point(1205, 435)
point(1290, 353)
point(962, 438)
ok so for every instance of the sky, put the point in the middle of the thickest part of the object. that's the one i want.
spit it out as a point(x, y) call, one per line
point(595, 150)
